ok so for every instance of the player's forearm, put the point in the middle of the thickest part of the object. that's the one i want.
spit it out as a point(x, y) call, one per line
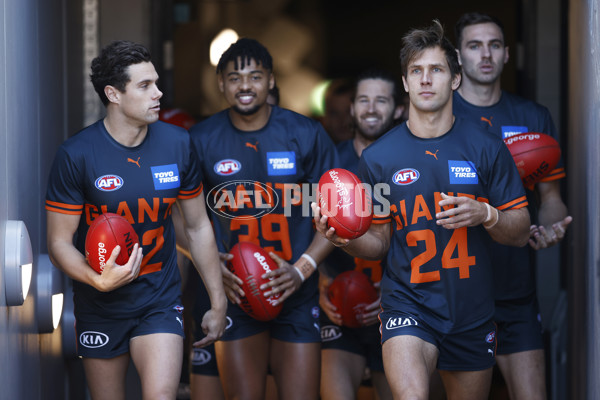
point(205, 256)
point(511, 227)
point(373, 245)
point(551, 209)
point(316, 252)
point(70, 261)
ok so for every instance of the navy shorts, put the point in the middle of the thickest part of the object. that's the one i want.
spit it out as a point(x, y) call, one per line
point(103, 337)
point(298, 324)
point(203, 361)
point(471, 350)
point(519, 325)
point(364, 341)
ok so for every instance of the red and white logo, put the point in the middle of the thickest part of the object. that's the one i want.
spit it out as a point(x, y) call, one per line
point(109, 183)
point(227, 167)
point(406, 176)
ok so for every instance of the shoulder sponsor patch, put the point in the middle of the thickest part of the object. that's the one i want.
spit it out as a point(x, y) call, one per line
point(281, 162)
point(462, 172)
point(165, 176)
point(109, 183)
point(406, 176)
point(227, 167)
point(508, 131)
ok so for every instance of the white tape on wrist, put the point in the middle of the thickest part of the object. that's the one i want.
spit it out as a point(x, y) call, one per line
point(490, 210)
point(299, 273)
point(310, 260)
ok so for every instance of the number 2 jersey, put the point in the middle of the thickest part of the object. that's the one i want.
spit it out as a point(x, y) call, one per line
point(254, 182)
point(513, 267)
point(443, 275)
point(93, 174)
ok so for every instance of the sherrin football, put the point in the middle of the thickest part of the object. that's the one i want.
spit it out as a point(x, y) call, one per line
point(249, 263)
point(350, 292)
point(535, 154)
point(107, 231)
point(345, 202)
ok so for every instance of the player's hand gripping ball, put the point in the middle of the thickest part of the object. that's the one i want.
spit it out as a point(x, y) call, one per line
point(345, 202)
point(249, 263)
point(107, 231)
point(350, 292)
point(535, 154)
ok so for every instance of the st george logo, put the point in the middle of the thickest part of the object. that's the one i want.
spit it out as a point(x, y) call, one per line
point(227, 167)
point(93, 340)
point(108, 183)
point(406, 176)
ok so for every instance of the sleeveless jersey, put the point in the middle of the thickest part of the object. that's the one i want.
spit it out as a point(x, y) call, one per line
point(443, 275)
point(338, 260)
point(93, 174)
point(513, 266)
point(254, 182)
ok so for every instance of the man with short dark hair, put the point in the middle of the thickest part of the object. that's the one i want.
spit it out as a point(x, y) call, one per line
point(448, 196)
point(136, 307)
point(259, 145)
point(347, 351)
point(482, 53)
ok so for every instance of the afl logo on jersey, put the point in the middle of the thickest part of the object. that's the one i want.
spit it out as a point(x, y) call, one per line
point(109, 183)
point(227, 167)
point(406, 176)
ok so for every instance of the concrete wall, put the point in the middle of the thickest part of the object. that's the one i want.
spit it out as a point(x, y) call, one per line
point(32, 123)
point(584, 151)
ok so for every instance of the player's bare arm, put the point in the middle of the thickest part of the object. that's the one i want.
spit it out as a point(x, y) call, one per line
point(510, 227)
point(373, 245)
point(288, 278)
point(203, 249)
point(552, 215)
point(61, 229)
point(232, 284)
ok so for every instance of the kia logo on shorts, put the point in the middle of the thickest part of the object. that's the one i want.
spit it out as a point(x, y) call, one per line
point(108, 183)
point(200, 357)
point(330, 332)
point(227, 167)
point(394, 323)
point(406, 176)
point(93, 340)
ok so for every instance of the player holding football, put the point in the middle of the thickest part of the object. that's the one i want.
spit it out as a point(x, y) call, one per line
point(347, 351)
point(482, 53)
point(259, 152)
point(452, 190)
point(131, 311)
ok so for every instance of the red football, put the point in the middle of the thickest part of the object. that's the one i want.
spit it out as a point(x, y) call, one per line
point(249, 263)
point(105, 232)
point(535, 154)
point(350, 292)
point(177, 117)
point(345, 202)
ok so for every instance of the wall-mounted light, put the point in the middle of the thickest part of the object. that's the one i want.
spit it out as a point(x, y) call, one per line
point(18, 262)
point(50, 295)
point(220, 43)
